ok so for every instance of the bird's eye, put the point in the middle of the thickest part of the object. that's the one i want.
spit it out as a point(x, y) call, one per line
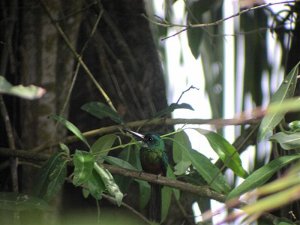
point(150, 139)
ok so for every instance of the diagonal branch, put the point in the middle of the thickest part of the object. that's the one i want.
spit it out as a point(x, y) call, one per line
point(78, 57)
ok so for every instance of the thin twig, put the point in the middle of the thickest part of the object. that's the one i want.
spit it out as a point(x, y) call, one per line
point(78, 57)
point(7, 123)
point(215, 23)
point(129, 208)
point(191, 87)
point(78, 64)
point(218, 22)
point(11, 144)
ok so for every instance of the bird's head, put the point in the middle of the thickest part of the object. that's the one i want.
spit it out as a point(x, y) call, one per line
point(150, 140)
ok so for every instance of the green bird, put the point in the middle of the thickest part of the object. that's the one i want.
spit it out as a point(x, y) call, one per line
point(153, 153)
point(154, 160)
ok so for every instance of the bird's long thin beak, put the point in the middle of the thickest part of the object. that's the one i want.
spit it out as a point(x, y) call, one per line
point(135, 134)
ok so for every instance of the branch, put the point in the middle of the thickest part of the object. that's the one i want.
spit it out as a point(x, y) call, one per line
point(203, 191)
point(243, 119)
point(185, 27)
point(217, 22)
point(77, 56)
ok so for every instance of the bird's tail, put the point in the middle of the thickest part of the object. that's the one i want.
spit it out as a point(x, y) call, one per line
point(154, 208)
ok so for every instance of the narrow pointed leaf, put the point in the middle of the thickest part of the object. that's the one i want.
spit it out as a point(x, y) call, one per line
point(210, 173)
point(64, 148)
point(101, 146)
point(166, 197)
point(57, 179)
point(172, 108)
point(287, 141)
point(227, 152)
point(166, 193)
point(71, 127)
point(286, 90)
point(100, 111)
point(180, 139)
point(262, 175)
point(273, 201)
point(195, 11)
point(51, 177)
point(83, 167)
point(119, 162)
point(145, 193)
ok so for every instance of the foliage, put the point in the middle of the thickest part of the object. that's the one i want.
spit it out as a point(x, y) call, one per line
point(95, 180)
point(254, 191)
point(30, 92)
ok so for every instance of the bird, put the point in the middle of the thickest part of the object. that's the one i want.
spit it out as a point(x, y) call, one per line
point(153, 154)
point(154, 160)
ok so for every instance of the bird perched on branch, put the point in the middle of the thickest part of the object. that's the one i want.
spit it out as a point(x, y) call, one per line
point(154, 160)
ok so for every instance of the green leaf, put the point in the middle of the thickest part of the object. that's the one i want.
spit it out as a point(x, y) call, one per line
point(286, 90)
point(71, 127)
point(83, 167)
point(195, 11)
point(166, 197)
point(20, 202)
point(51, 177)
point(287, 141)
point(145, 192)
point(109, 182)
point(181, 167)
point(294, 126)
point(119, 162)
point(57, 179)
point(172, 108)
point(101, 146)
point(181, 140)
point(94, 186)
point(262, 175)
point(210, 173)
point(227, 152)
point(65, 149)
point(100, 111)
point(166, 193)
point(30, 92)
point(131, 154)
point(194, 39)
point(272, 202)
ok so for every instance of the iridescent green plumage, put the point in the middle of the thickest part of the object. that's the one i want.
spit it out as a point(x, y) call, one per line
point(153, 155)
point(153, 160)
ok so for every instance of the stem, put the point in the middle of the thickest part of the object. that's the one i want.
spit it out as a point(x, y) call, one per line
point(203, 191)
point(150, 122)
point(78, 58)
